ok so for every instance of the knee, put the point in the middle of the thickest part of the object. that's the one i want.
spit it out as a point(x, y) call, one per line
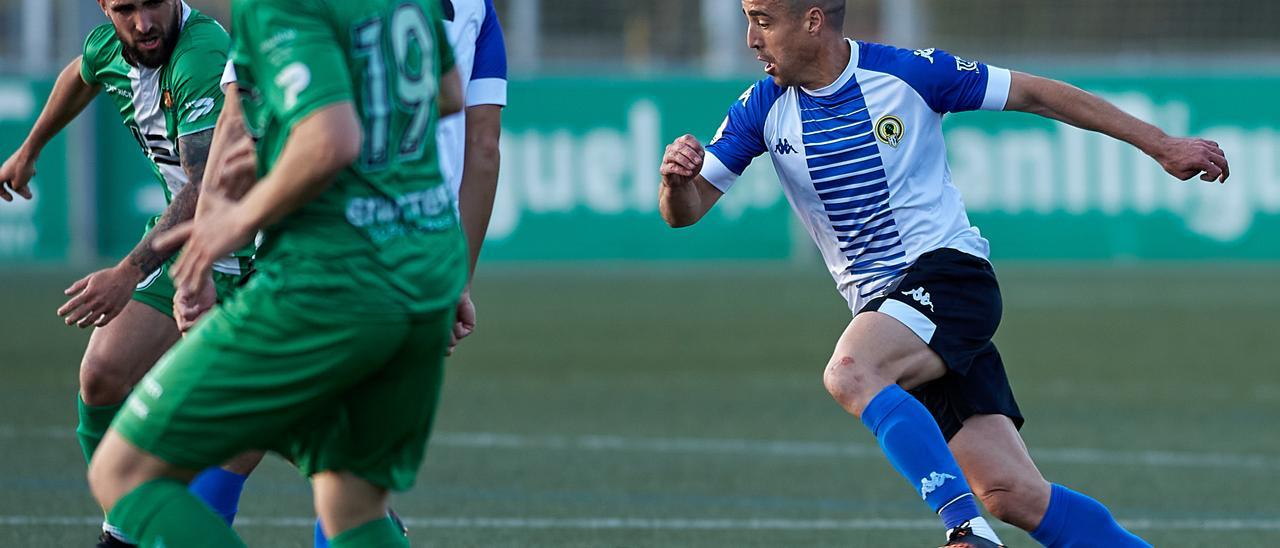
point(106, 474)
point(852, 383)
point(102, 380)
point(1013, 501)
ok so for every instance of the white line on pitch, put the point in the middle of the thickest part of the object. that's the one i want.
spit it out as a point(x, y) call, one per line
point(678, 524)
point(781, 448)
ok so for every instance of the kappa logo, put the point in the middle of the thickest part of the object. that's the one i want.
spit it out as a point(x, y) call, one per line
point(199, 108)
point(784, 147)
point(926, 53)
point(921, 296)
point(889, 130)
point(112, 89)
point(932, 483)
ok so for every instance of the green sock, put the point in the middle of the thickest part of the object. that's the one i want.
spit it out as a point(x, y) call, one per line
point(94, 421)
point(163, 513)
point(379, 533)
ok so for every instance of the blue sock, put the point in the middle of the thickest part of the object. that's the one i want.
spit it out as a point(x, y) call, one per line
point(321, 542)
point(1074, 520)
point(910, 437)
point(220, 490)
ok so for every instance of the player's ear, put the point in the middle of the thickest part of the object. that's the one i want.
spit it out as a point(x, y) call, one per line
point(814, 20)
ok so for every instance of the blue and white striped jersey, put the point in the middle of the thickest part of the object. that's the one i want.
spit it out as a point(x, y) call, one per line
point(862, 161)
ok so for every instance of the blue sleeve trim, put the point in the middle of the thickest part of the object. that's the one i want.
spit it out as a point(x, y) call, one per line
point(491, 47)
point(946, 82)
point(741, 137)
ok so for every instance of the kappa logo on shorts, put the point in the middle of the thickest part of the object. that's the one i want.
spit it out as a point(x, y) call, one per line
point(932, 483)
point(921, 296)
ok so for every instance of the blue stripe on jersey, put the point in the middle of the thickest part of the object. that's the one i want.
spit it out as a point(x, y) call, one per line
point(848, 175)
point(877, 175)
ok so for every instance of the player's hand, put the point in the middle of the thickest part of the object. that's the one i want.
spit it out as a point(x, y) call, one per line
point(1186, 158)
point(465, 323)
point(189, 307)
point(15, 175)
point(98, 298)
point(682, 161)
point(221, 229)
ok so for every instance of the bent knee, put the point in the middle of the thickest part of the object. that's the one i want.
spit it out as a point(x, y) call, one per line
point(1013, 501)
point(104, 381)
point(853, 383)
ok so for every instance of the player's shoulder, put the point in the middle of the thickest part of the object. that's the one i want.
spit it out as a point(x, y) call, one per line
point(202, 33)
point(102, 40)
point(895, 60)
point(466, 10)
point(761, 96)
point(202, 46)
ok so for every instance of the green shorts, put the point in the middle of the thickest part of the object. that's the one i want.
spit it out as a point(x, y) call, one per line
point(157, 289)
point(327, 389)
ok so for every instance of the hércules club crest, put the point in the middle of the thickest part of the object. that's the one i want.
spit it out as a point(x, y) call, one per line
point(889, 130)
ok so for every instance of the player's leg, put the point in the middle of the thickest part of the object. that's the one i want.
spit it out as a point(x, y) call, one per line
point(997, 463)
point(148, 497)
point(876, 360)
point(221, 486)
point(118, 355)
point(382, 441)
point(354, 511)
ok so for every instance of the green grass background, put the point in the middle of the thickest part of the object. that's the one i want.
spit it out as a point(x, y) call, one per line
point(1173, 359)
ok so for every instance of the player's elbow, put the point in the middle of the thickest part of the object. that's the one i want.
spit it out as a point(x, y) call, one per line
point(675, 220)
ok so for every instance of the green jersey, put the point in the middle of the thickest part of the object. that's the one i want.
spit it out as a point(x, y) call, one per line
point(161, 105)
point(387, 225)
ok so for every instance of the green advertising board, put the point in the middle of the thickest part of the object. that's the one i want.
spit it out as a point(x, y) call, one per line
point(580, 176)
point(36, 230)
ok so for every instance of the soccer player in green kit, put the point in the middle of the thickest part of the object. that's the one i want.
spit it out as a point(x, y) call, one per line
point(333, 354)
point(159, 62)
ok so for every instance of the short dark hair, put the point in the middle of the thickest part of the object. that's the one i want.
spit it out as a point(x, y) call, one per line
point(833, 9)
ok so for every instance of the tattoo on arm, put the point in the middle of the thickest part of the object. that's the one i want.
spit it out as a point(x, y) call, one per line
point(194, 154)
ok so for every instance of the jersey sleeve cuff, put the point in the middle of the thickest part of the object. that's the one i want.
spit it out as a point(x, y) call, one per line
point(487, 91)
point(999, 81)
point(228, 75)
point(716, 173)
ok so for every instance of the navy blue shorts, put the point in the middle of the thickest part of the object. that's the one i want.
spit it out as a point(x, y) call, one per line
point(952, 301)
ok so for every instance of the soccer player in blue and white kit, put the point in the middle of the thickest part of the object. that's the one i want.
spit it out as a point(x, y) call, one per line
point(854, 130)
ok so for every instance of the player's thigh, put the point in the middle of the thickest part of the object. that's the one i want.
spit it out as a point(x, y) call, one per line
point(125, 349)
point(879, 344)
point(255, 373)
point(999, 469)
point(384, 422)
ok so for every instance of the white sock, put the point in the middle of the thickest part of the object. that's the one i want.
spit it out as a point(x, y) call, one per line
point(981, 529)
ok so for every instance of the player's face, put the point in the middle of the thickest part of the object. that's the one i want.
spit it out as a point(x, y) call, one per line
point(148, 29)
point(779, 38)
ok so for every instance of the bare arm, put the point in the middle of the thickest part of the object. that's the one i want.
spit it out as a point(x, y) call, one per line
point(685, 196)
point(229, 134)
point(194, 154)
point(479, 175)
point(98, 298)
point(450, 100)
point(69, 98)
point(1182, 158)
